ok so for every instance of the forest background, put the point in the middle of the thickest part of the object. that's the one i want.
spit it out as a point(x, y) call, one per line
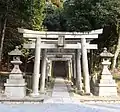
point(59, 15)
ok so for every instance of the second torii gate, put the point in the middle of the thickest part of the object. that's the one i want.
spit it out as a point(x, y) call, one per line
point(39, 41)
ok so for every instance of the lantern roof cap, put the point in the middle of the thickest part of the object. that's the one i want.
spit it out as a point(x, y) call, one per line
point(15, 52)
point(106, 54)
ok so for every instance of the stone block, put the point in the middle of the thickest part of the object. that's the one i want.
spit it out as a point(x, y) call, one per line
point(107, 90)
point(15, 90)
point(15, 86)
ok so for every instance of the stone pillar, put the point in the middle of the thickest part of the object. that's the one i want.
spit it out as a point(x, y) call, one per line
point(46, 71)
point(79, 77)
point(43, 72)
point(49, 68)
point(74, 68)
point(70, 70)
point(36, 73)
point(85, 65)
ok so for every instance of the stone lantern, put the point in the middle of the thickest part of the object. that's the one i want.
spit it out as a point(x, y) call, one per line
point(15, 86)
point(107, 86)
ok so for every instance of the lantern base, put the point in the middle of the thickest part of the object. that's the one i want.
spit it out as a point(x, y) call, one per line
point(107, 90)
point(107, 86)
point(15, 87)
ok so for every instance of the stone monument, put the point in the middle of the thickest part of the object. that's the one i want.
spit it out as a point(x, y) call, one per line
point(15, 86)
point(107, 86)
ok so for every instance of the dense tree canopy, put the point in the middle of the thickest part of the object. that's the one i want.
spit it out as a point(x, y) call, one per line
point(13, 14)
point(55, 19)
point(85, 15)
point(59, 15)
point(19, 13)
point(38, 15)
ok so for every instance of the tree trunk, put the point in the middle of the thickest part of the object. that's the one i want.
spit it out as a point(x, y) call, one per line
point(2, 40)
point(116, 53)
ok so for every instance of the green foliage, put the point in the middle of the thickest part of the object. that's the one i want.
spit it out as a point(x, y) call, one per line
point(38, 14)
point(17, 14)
point(74, 15)
point(55, 19)
point(83, 15)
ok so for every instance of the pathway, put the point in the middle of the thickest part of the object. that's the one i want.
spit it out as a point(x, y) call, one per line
point(60, 93)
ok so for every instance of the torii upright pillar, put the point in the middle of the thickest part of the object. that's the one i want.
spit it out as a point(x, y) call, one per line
point(85, 65)
point(36, 73)
point(79, 76)
point(43, 72)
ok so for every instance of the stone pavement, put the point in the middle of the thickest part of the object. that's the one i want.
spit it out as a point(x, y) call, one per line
point(60, 101)
point(60, 93)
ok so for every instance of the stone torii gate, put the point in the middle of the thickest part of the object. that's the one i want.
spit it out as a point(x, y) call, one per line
point(60, 40)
